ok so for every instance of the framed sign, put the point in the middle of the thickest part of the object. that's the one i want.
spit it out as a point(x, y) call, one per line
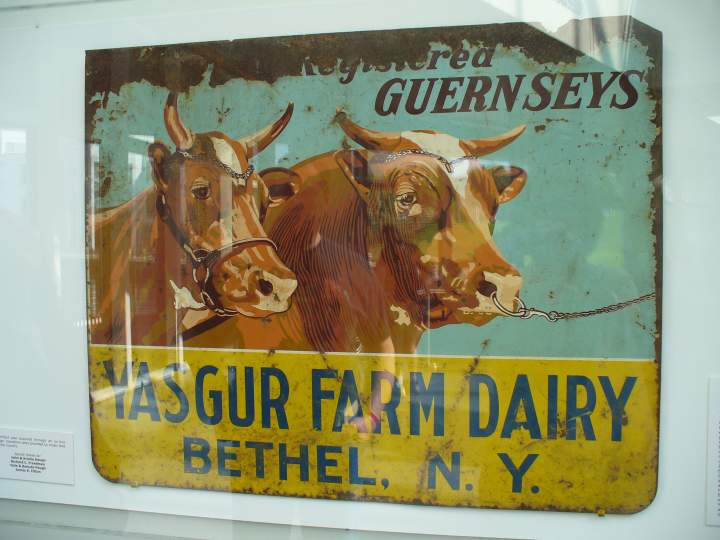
point(413, 266)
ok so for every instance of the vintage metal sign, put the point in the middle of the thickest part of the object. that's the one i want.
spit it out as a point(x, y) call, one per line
point(312, 265)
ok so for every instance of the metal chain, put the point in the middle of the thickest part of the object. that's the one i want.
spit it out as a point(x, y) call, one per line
point(449, 164)
point(524, 312)
point(230, 171)
point(419, 152)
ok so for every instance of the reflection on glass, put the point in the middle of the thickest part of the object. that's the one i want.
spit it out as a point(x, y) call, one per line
point(13, 149)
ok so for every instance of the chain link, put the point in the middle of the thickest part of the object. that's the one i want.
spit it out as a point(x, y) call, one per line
point(449, 164)
point(419, 152)
point(230, 171)
point(524, 312)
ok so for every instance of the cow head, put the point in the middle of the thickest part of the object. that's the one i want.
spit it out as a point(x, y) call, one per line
point(211, 199)
point(433, 220)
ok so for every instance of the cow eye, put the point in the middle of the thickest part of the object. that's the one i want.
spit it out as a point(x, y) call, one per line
point(201, 191)
point(406, 200)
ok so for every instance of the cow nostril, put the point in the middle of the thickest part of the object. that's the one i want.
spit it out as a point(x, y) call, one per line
point(486, 288)
point(265, 287)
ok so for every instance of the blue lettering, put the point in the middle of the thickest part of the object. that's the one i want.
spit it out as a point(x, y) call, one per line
point(224, 455)
point(119, 388)
point(493, 410)
point(423, 397)
point(144, 387)
point(215, 397)
point(323, 462)
point(318, 394)
point(517, 472)
point(521, 396)
point(196, 448)
point(355, 477)
point(349, 398)
point(301, 460)
point(617, 403)
point(277, 403)
point(249, 417)
point(179, 394)
point(574, 412)
point(259, 448)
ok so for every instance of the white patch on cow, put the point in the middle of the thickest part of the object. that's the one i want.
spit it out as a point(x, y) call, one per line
point(278, 300)
point(184, 298)
point(441, 144)
point(403, 317)
point(226, 154)
point(449, 148)
point(508, 288)
point(195, 316)
point(459, 177)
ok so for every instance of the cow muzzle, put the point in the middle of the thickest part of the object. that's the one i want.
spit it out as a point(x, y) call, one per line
point(479, 307)
point(466, 298)
point(254, 284)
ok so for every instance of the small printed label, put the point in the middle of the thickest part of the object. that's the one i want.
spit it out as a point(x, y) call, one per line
point(40, 456)
point(713, 465)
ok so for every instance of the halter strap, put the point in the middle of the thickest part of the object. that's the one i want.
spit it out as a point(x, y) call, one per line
point(203, 260)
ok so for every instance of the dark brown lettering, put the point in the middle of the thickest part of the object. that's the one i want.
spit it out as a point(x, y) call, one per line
point(435, 56)
point(348, 70)
point(447, 91)
point(566, 88)
point(542, 92)
point(459, 58)
point(599, 88)
point(475, 94)
point(381, 107)
point(411, 105)
point(486, 54)
point(628, 88)
point(508, 92)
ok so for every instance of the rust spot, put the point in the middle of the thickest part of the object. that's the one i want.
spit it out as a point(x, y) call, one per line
point(222, 111)
point(105, 186)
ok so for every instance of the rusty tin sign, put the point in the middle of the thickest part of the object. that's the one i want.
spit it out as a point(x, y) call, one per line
point(312, 265)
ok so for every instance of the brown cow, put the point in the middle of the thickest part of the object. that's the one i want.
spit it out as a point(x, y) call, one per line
point(479, 191)
point(192, 242)
point(383, 247)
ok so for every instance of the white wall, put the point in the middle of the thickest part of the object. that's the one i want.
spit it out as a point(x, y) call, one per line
point(43, 361)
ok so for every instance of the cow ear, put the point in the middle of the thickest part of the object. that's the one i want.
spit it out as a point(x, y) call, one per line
point(354, 166)
point(509, 182)
point(281, 184)
point(158, 153)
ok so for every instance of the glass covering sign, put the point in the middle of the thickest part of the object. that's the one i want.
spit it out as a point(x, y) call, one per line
point(414, 266)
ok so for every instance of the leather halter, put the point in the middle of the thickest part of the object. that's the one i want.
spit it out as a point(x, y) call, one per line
point(204, 260)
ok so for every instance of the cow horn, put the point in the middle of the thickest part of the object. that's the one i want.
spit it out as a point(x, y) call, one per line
point(481, 147)
point(258, 141)
point(367, 138)
point(179, 134)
